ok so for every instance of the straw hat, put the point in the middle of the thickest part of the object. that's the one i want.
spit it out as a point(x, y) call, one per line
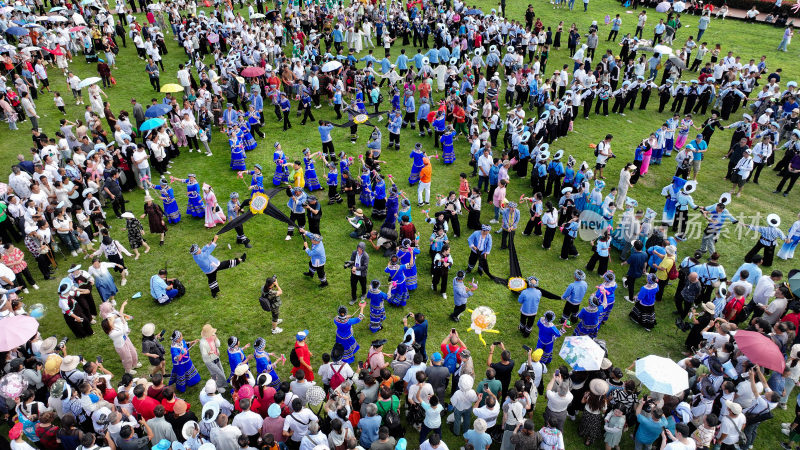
point(598, 386)
point(53, 364)
point(70, 362)
point(208, 331)
point(241, 369)
point(708, 307)
point(148, 329)
point(48, 345)
point(605, 364)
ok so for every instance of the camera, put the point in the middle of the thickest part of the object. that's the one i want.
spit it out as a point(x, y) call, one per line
point(648, 405)
point(348, 264)
point(62, 343)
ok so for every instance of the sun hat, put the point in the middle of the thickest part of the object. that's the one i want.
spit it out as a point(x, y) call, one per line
point(210, 386)
point(53, 364)
point(48, 345)
point(605, 364)
point(241, 369)
point(163, 444)
point(70, 362)
point(598, 386)
point(709, 307)
point(245, 391)
point(188, 429)
point(210, 412)
point(733, 407)
point(774, 220)
point(207, 331)
point(148, 329)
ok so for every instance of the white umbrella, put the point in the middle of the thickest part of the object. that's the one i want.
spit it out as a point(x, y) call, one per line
point(678, 6)
point(77, 19)
point(42, 18)
point(89, 81)
point(582, 353)
point(330, 66)
point(663, 49)
point(57, 19)
point(663, 7)
point(32, 48)
point(257, 16)
point(662, 375)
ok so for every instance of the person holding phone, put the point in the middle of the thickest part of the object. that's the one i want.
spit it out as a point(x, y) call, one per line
point(504, 368)
point(152, 348)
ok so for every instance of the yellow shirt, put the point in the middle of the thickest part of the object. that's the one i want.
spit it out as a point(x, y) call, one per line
point(664, 267)
point(298, 179)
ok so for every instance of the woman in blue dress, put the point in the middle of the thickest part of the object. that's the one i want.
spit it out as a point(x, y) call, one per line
point(548, 333)
point(607, 289)
point(366, 196)
point(379, 191)
point(644, 312)
point(256, 179)
point(244, 134)
point(195, 208)
point(448, 154)
point(344, 332)
point(397, 277)
point(238, 155)
point(792, 238)
point(377, 313)
point(312, 183)
point(171, 209)
point(344, 165)
point(392, 206)
point(408, 257)
point(590, 317)
point(264, 362)
point(236, 354)
point(279, 158)
point(184, 374)
point(417, 155)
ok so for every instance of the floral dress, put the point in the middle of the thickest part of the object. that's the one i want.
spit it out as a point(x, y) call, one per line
point(135, 230)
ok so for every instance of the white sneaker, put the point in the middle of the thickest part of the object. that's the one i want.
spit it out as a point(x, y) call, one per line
point(277, 330)
point(132, 372)
point(288, 238)
point(73, 253)
point(492, 221)
point(25, 290)
point(138, 365)
point(209, 154)
point(280, 321)
point(444, 296)
point(124, 281)
point(628, 299)
point(190, 150)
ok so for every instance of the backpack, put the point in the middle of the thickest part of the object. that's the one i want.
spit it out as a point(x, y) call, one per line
point(500, 124)
point(367, 224)
point(450, 360)
point(673, 273)
point(337, 378)
point(293, 358)
point(392, 422)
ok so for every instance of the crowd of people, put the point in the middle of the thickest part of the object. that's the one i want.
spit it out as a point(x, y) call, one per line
point(478, 65)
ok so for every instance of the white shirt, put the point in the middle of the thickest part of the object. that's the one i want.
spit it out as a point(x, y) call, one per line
point(427, 446)
point(730, 426)
point(764, 290)
point(487, 414)
point(677, 445)
point(298, 423)
point(248, 422)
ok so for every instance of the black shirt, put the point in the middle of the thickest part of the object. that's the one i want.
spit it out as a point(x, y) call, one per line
point(503, 373)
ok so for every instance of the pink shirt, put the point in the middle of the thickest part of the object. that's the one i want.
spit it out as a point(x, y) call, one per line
point(499, 195)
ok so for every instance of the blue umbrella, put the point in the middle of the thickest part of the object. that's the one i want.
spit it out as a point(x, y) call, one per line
point(17, 31)
point(157, 110)
point(22, 8)
point(473, 12)
point(57, 8)
point(152, 124)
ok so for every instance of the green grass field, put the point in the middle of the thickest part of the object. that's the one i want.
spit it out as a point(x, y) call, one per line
point(305, 305)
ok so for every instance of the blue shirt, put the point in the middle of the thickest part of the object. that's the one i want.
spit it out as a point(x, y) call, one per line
point(636, 262)
point(694, 145)
point(529, 298)
point(158, 287)
point(369, 430)
point(483, 244)
point(602, 247)
point(753, 270)
point(460, 293)
point(316, 252)
point(325, 133)
point(649, 430)
point(575, 292)
point(433, 56)
point(205, 260)
point(479, 441)
point(420, 332)
point(402, 62)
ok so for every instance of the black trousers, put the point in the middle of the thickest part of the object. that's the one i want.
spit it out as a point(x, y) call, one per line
point(319, 270)
point(327, 148)
point(156, 83)
point(631, 284)
point(7, 231)
point(792, 177)
point(458, 310)
point(769, 253)
point(286, 123)
point(44, 265)
point(504, 238)
point(297, 218)
point(483, 264)
point(568, 247)
point(570, 312)
point(535, 225)
point(455, 225)
point(601, 261)
point(548, 237)
point(526, 324)
point(212, 277)
point(440, 275)
point(355, 280)
point(118, 204)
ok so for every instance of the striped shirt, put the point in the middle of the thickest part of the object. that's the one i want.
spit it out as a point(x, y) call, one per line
point(769, 235)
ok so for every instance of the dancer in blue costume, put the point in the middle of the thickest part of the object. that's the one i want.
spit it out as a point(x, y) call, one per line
point(408, 258)
point(344, 332)
point(417, 155)
point(264, 362)
point(397, 277)
point(244, 134)
point(792, 238)
point(195, 208)
point(184, 374)
point(312, 183)
point(256, 179)
point(171, 209)
point(448, 153)
point(671, 192)
point(238, 155)
point(590, 318)
point(379, 191)
point(392, 206)
point(236, 354)
point(377, 313)
point(607, 289)
point(344, 165)
point(548, 333)
point(366, 197)
point(279, 158)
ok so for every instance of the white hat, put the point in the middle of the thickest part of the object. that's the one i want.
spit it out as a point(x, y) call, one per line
point(525, 136)
point(558, 155)
point(544, 154)
point(210, 387)
point(241, 369)
point(210, 412)
point(510, 49)
point(148, 329)
point(478, 51)
point(493, 48)
point(128, 215)
point(425, 61)
point(725, 198)
point(690, 187)
point(188, 428)
point(774, 220)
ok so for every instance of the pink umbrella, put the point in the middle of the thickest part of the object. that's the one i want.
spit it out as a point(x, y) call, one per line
point(213, 38)
point(16, 330)
point(252, 71)
point(760, 350)
point(78, 28)
point(56, 52)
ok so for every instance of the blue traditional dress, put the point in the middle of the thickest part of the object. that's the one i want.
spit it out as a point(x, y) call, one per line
point(610, 297)
point(548, 333)
point(256, 182)
point(195, 208)
point(238, 156)
point(264, 365)
point(406, 257)
point(392, 206)
point(344, 165)
point(580, 200)
point(104, 281)
point(644, 312)
point(281, 175)
point(671, 192)
point(397, 276)
point(312, 183)
point(417, 155)
point(366, 197)
point(235, 357)
point(344, 336)
point(253, 118)
point(246, 137)
point(589, 321)
point(448, 154)
point(793, 236)
point(184, 373)
point(377, 313)
point(171, 209)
